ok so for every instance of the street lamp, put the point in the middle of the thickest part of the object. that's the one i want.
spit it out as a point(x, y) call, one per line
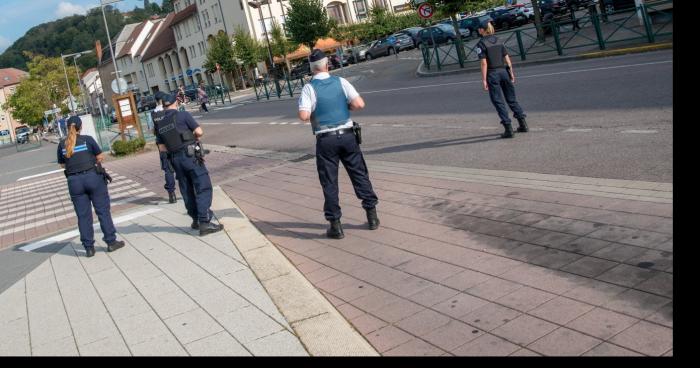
point(65, 72)
point(258, 5)
point(104, 3)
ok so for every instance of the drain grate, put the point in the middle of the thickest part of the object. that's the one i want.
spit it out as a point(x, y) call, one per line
point(303, 158)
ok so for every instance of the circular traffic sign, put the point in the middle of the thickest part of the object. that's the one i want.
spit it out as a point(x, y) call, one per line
point(425, 10)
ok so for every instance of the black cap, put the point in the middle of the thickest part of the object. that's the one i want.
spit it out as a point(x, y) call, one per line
point(74, 120)
point(316, 55)
point(168, 99)
point(159, 96)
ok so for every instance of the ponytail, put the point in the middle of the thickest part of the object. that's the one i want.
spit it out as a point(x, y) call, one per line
point(70, 141)
point(489, 29)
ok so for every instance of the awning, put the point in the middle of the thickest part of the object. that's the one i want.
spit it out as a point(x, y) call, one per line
point(323, 44)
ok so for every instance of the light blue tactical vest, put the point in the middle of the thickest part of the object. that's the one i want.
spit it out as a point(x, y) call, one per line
point(331, 104)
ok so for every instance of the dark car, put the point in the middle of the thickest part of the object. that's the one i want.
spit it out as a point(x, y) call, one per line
point(506, 18)
point(618, 5)
point(302, 69)
point(472, 23)
point(146, 103)
point(413, 33)
point(553, 6)
point(440, 35)
point(381, 47)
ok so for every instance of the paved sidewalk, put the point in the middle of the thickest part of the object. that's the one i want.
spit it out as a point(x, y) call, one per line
point(171, 292)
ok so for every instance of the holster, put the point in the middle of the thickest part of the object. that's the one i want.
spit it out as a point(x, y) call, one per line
point(357, 130)
point(100, 170)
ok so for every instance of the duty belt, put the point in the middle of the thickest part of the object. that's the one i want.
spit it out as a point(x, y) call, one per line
point(81, 172)
point(335, 132)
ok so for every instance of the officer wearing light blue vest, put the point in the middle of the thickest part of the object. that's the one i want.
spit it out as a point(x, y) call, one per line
point(327, 102)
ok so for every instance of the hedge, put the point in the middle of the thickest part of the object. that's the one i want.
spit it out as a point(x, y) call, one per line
point(121, 148)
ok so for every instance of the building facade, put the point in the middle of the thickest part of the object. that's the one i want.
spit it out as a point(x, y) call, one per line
point(9, 79)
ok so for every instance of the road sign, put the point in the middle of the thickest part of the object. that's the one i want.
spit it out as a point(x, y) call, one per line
point(425, 10)
point(51, 112)
point(122, 85)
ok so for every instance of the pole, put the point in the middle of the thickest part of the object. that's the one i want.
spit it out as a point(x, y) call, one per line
point(111, 50)
point(70, 94)
point(80, 85)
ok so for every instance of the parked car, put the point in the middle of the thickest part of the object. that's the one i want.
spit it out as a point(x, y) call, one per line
point(553, 6)
point(335, 61)
point(301, 69)
point(22, 134)
point(472, 23)
point(381, 47)
point(357, 53)
point(146, 103)
point(413, 33)
point(403, 41)
point(463, 32)
point(506, 18)
point(618, 5)
point(441, 33)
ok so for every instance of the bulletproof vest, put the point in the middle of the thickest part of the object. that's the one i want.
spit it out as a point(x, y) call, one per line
point(493, 47)
point(82, 159)
point(167, 131)
point(331, 104)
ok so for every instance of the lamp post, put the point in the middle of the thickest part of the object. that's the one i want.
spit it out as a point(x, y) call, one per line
point(104, 3)
point(258, 5)
point(65, 72)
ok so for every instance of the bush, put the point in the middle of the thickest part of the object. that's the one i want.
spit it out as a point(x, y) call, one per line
point(122, 148)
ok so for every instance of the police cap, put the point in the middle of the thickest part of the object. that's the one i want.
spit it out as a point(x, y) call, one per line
point(74, 120)
point(316, 55)
point(168, 99)
point(159, 96)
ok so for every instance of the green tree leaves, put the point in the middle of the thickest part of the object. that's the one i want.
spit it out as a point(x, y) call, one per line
point(307, 21)
point(221, 51)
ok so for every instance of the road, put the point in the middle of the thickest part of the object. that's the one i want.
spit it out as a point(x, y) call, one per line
point(608, 118)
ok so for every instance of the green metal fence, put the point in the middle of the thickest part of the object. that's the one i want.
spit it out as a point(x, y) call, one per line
point(108, 132)
point(278, 87)
point(591, 31)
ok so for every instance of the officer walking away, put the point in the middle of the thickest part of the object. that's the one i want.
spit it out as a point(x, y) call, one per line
point(178, 134)
point(327, 102)
point(81, 157)
point(164, 162)
point(498, 78)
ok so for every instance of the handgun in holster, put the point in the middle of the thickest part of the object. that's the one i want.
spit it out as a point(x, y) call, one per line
point(100, 170)
point(357, 130)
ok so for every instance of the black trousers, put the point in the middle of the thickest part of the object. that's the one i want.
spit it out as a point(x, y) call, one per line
point(500, 86)
point(330, 150)
point(195, 186)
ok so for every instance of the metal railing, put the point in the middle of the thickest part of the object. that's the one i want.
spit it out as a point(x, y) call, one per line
point(651, 22)
point(266, 88)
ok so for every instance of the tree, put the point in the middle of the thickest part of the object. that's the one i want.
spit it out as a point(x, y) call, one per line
point(307, 21)
point(221, 52)
point(246, 48)
point(167, 6)
point(281, 46)
point(45, 86)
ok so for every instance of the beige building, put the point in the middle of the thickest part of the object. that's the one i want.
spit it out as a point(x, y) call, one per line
point(9, 79)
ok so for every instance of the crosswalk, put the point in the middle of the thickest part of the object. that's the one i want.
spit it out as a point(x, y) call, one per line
point(41, 203)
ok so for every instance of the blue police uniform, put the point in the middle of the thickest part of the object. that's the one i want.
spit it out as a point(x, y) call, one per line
point(88, 188)
point(500, 85)
point(174, 130)
point(336, 142)
point(165, 165)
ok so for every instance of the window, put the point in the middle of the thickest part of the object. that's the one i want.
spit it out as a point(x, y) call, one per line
point(198, 25)
point(177, 7)
point(178, 34)
point(207, 22)
point(186, 25)
point(193, 54)
point(360, 9)
point(335, 12)
point(240, 2)
point(151, 72)
point(267, 26)
point(188, 3)
point(214, 10)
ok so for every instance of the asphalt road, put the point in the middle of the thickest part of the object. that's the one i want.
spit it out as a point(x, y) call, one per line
point(608, 117)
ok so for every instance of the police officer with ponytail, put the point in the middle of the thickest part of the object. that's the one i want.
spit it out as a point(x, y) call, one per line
point(178, 134)
point(81, 157)
point(498, 78)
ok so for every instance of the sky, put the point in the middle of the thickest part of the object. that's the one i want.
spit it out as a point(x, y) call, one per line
point(18, 16)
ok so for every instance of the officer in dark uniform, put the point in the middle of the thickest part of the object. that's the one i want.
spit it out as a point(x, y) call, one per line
point(81, 157)
point(498, 78)
point(164, 163)
point(327, 101)
point(178, 134)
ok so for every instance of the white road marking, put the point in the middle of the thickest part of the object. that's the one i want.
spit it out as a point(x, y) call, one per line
point(489, 128)
point(296, 123)
point(578, 130)
point(213, 123)
point(284, 123)
point(245, 123)
point(38, 175)
point(639, 131)
point(197, 116)
point(272, 123)
point(398, 125)
point(74, 233)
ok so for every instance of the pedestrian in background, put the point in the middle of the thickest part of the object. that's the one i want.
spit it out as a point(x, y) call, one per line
point(326, 101)
point(498, 78)
point(203, 97)
point(81, 157)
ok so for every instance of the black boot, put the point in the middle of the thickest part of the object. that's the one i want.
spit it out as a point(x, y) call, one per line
point(195, 225)
point(522, 126)
point(111, 247)
point(508, 133)
point(89, 251)
point(372, 218)
point(172, 198)
point(335, 231)
point(209, 228)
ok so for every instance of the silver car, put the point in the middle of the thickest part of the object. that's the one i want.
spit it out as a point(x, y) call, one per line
point(403, 41)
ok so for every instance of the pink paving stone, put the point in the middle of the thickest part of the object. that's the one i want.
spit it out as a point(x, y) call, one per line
point(636, 303)
point(525, 299)
point(415, 347)
point(490, 316)
point(432, 295)
point(595, 292)
point(607, 349)
point(646, 338)
point(561, 310)
point(626, 275)
point(430, 269)
point(602, 323)
point(466, 279)
point(460, 305)
point(321, 274)
point(375, 301)
point(354, 291)
point(367, 323)
point(524, 329)
point(423, 322)
point(564, 342)
point(494, 288)
point(664, 316)
point(332, 299)
point(387, 338)
point(398, 310)
point(452, 335)
point(525, 353)
point(336, 282)
point(349, 312)
point(486, 345)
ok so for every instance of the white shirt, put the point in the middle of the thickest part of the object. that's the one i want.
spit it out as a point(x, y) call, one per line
point(307, 101)
point(158, 108)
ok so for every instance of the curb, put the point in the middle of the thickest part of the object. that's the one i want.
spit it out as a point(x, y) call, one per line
point(320, 327)
point(585, 56)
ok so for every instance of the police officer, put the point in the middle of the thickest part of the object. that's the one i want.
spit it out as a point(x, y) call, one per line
point(498, 78)
point(81, 156)
point(164, 163)
point(327, 101)
point(178, 134)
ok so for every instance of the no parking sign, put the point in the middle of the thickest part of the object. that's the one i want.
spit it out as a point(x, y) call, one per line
point(425, 10)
